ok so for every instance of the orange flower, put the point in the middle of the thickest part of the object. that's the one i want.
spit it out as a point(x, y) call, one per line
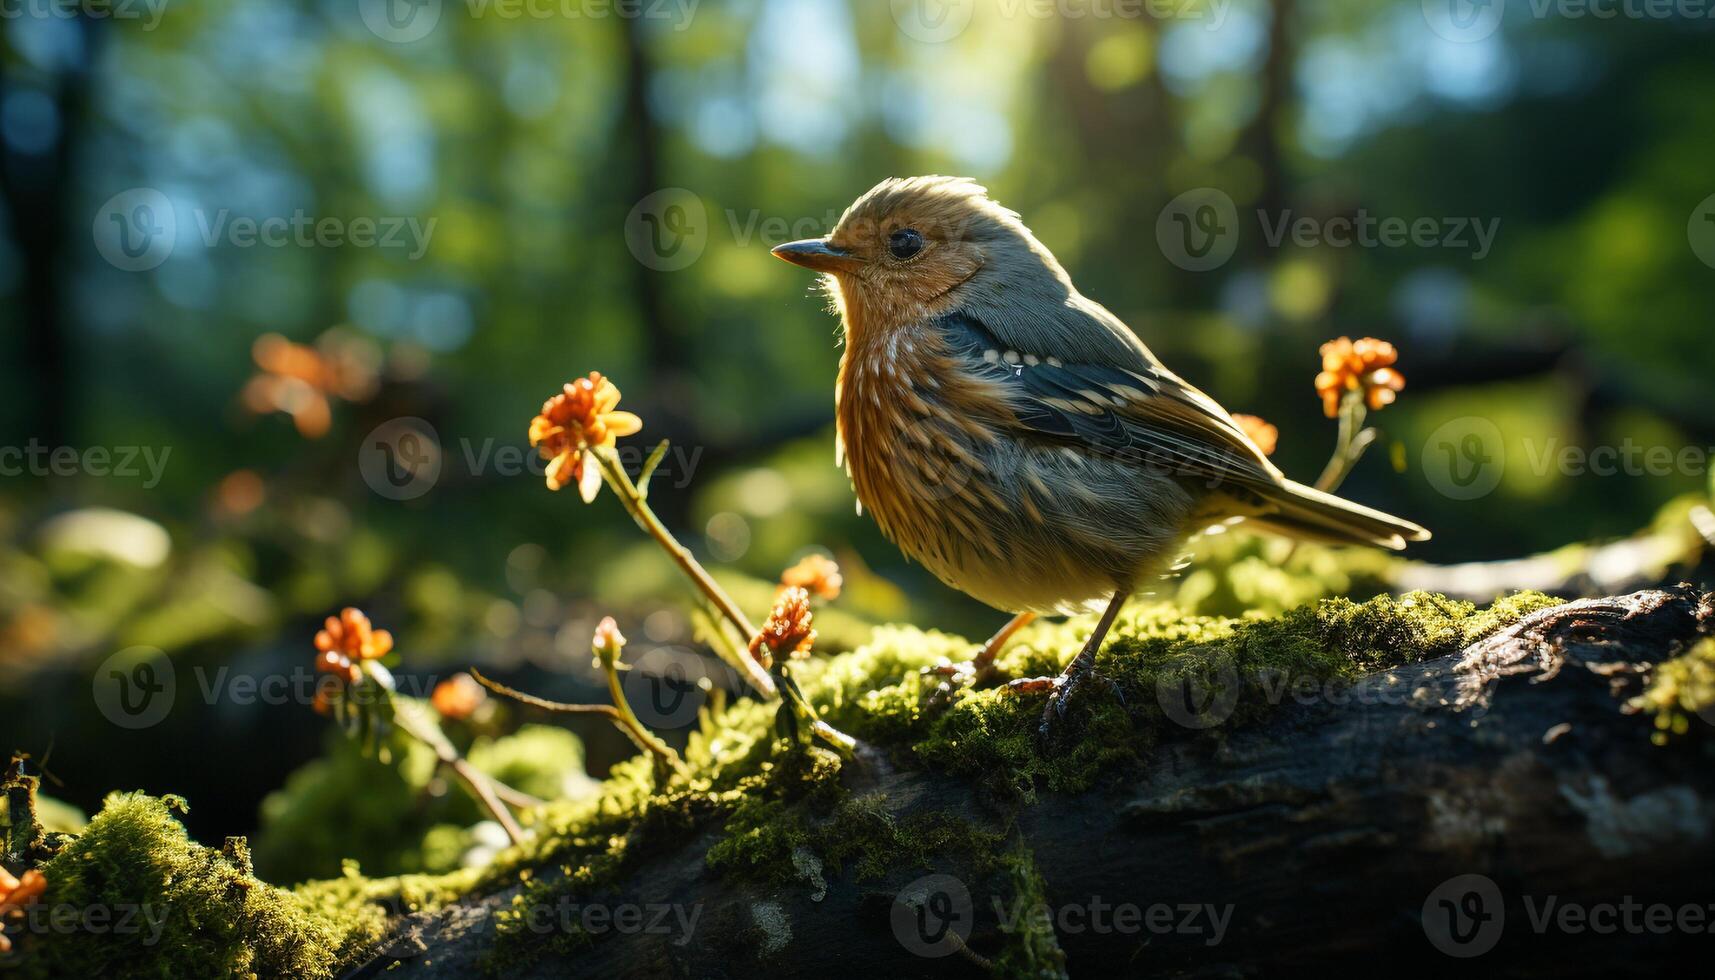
point(1363, 366)
point(1260, 432)
point(343, 643)
point(788, 632)
point(581, 418)
point(298, 379)
point(815, 574)
point(607, 642)
point(458, 697)
point(15, 894)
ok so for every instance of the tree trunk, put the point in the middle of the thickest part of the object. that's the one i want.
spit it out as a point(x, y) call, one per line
point(1493, 803)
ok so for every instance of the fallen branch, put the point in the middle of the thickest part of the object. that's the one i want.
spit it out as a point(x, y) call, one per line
point(1321, 836)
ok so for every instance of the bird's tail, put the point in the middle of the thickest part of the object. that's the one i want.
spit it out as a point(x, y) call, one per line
point(1301, 512)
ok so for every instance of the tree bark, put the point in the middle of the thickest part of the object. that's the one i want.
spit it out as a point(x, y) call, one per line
point(1336, 833)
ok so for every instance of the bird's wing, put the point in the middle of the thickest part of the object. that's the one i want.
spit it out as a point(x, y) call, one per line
point(1139, 411)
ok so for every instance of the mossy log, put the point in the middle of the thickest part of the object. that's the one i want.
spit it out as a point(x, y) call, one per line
point(1325, 833)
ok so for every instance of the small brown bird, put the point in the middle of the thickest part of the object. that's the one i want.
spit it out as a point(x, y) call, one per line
point(1017, 438)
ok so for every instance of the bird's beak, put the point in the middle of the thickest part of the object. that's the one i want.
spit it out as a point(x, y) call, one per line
point(818, 254)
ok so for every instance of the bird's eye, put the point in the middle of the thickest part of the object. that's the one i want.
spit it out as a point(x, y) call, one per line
point(905, 243)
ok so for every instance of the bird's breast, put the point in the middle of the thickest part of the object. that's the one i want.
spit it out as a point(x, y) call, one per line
point(919, 439)
point(940, 460)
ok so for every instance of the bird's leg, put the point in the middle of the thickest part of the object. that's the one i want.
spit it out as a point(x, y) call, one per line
point(1076, 672)
point(979, 669)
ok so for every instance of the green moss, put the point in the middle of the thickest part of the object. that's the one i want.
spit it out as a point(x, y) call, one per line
point(1031, 948)
point(1678, 689)
point(187, 910)
point(788, 818)
point(1154, 650)
point(775, 841)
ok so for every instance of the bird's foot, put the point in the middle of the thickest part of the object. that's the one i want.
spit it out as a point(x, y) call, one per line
point(955, 676)
point(1060, 691)
point(979, 671)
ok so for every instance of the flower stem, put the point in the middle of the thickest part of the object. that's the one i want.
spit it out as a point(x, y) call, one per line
point(633, 501)
point(800, 706)
point(1349, 446)
point(644, 738)
point(619, 713)
point(406, 717)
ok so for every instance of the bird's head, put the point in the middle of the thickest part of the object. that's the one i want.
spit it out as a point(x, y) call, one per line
point(909, 247)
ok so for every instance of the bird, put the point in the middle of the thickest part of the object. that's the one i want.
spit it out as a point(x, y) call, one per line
point(1015, 437)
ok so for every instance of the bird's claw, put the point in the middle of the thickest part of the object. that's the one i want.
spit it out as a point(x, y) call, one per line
point(955, 676)
point(947, 668)
point(1034, 685)
point(1060, 691)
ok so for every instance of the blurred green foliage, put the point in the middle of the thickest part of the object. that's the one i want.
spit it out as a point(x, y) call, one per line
point(539, 148)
